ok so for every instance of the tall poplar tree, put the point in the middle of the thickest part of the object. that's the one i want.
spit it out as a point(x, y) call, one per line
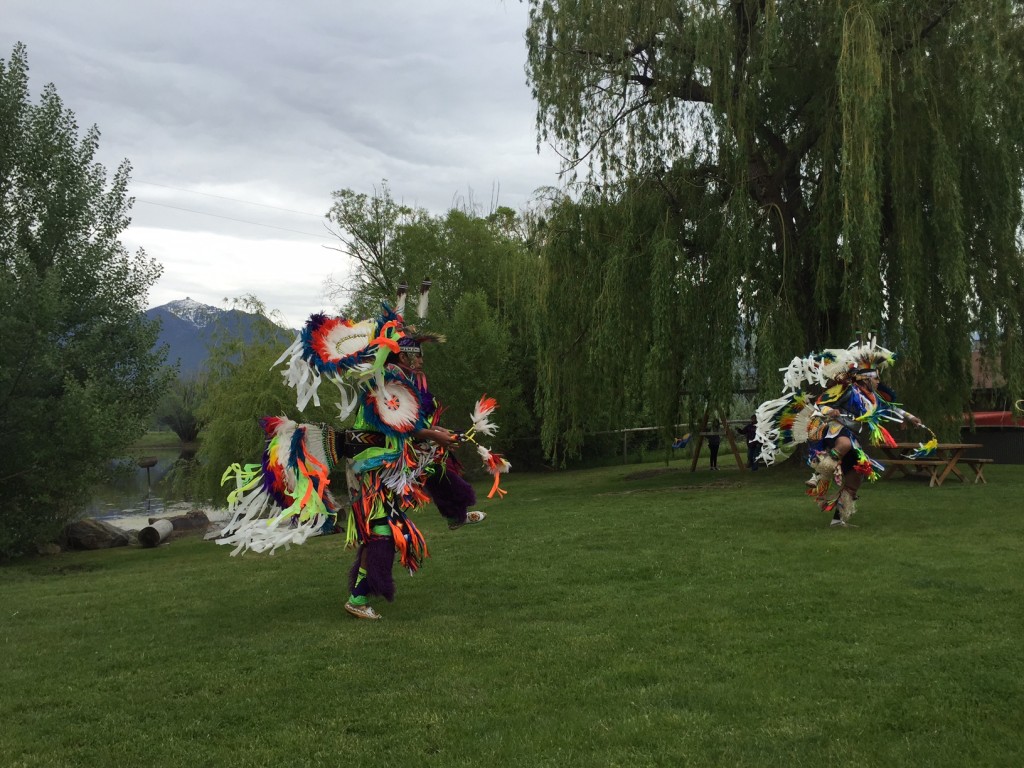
point(79, 378)
point(768, 178)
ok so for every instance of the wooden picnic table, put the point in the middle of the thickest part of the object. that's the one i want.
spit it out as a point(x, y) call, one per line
point(938, 466)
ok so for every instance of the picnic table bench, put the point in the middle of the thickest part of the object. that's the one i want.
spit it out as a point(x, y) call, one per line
point(938, 467)
point(978, 465)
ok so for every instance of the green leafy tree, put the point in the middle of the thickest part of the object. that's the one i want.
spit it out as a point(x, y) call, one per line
point(607, 324)
point(367, 227)
point(779, 176)
point(477, 352)
point(179, 408)
point(79, 378)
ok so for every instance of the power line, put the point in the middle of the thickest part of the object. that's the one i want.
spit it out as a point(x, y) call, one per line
point(232, 199)
point(239, 221)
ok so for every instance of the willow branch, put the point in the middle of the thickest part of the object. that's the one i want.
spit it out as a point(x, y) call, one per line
point(928, 27)
point(624, 112)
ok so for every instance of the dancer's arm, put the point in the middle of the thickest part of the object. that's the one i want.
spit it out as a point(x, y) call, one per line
point(438, 435)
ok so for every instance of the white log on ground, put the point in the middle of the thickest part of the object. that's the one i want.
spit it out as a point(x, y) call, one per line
point(155, 533)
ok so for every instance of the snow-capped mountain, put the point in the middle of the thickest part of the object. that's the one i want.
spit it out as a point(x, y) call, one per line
point(192, 311)
point(188, 328)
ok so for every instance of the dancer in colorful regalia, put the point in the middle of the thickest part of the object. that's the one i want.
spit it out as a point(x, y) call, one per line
point(396, 454)
point(850, 403)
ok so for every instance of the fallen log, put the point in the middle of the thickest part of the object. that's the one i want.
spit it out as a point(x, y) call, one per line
point(155, 533)
point(190, 521)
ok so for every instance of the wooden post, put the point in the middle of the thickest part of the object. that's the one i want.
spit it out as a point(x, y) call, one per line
point(700, 440)
point(729, 433)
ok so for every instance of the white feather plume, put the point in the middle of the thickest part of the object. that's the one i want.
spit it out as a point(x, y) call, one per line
point(493, 463)
point(479, 418)
point(421, 309)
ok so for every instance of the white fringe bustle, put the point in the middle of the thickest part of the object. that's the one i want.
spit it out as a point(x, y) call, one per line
point(249, 528)
point(305, 379)
point(767, 434)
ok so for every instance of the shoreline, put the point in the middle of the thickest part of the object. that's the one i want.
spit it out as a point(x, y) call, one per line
point(136, 522)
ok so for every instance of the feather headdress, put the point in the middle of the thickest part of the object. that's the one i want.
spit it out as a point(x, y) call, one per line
point(819, 368)
point(869, 355)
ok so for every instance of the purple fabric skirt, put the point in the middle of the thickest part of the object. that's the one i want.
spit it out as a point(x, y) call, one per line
point(452, 495)
point(380, 558)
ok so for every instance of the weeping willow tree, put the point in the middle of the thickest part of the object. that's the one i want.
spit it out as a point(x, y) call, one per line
point(767, 178)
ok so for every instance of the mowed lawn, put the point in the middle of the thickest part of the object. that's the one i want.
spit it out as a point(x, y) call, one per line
point(594, 619)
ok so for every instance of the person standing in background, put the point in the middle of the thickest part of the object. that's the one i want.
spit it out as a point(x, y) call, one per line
point(714, 442)
point(749, 431)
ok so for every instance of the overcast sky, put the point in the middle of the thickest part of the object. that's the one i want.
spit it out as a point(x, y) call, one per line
point(240, 119)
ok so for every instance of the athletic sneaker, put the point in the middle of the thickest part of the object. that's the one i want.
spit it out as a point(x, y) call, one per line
point(474, 516)
point(362, 611)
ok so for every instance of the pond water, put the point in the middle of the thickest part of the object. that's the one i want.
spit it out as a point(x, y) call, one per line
point(138, 493)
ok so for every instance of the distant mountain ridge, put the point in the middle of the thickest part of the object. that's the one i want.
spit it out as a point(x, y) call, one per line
point(188, 328)
point(192, 311)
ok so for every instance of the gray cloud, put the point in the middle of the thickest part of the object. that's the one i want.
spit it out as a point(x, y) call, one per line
point(282, 103)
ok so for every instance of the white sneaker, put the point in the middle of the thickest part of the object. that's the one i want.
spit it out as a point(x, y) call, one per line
point(474, 516)
point(362, 611)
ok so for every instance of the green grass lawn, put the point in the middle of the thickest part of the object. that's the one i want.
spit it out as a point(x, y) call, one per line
point(591, 620)
point(156, 439)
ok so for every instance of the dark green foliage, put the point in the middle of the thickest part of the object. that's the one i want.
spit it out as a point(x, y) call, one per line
point(475, 362)
point(78, 377)
point(766, 179)
point(179, 408)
